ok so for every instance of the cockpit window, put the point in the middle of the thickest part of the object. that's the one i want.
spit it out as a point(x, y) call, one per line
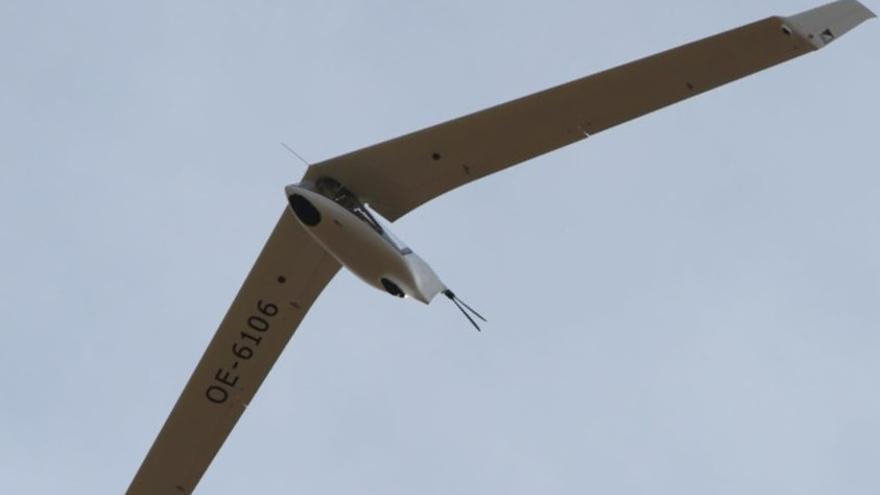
point(364, 214)
point(332, 189)
point(394, 241)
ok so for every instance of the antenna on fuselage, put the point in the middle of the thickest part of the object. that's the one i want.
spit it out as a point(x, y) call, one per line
point(294, 153)
point(461, 305)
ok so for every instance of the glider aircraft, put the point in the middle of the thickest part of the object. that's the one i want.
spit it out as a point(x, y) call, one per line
point(331, 219)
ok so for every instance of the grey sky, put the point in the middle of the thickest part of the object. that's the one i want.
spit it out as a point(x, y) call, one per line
point(684, 304)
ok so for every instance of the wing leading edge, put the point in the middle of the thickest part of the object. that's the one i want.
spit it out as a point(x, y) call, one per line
point(398, 175)
point(403, 173)
point(288, 276)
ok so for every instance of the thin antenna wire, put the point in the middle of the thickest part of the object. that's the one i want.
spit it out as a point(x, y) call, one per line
point(461, 307)
point(478, 315)
point(454, 301)
point(288, 148)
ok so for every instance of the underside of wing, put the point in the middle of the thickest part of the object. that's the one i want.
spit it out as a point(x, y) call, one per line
point(401, 174)
point(288, 276)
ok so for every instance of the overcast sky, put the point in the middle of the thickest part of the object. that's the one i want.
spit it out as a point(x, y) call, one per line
point(689, 303)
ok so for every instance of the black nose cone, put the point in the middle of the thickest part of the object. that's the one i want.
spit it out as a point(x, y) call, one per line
point(305, 210)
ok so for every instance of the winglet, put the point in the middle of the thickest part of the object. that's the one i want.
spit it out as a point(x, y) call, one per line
point(825, 24)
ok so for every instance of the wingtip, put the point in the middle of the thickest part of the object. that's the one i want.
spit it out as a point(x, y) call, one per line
point(824, 24)
point(867, 12)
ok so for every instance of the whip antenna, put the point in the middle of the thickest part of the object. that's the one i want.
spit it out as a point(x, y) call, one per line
point(294, 153)
point(461, 305)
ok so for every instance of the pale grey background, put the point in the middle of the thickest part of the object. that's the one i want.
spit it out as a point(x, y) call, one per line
point(684, 304)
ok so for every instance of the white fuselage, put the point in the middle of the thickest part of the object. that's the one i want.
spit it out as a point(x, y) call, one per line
point(363, 246)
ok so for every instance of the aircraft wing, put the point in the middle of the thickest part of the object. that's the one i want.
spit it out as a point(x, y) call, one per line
point(288, 276)
point(398, 175)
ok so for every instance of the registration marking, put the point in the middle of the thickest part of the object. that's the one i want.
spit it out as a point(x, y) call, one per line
point(243, 349)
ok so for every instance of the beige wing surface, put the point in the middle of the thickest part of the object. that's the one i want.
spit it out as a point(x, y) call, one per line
point(288, 276)
point(398, 175)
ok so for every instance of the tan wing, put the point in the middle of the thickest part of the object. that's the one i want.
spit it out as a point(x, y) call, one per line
point(401, 174)
point(286, 279)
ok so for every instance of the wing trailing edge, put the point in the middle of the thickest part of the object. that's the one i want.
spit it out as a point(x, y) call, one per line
point(287, 277)
point(398, 175)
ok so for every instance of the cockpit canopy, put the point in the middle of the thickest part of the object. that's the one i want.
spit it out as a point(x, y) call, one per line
point(331, 188)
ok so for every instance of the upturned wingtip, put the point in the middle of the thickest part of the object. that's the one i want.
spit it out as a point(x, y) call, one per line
point(822, 25)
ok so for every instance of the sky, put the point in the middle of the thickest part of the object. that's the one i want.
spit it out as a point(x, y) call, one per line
point(687, 303)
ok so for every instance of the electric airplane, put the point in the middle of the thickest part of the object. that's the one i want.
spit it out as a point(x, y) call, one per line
point(332, 218)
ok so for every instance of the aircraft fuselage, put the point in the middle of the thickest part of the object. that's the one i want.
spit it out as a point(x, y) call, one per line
point(345, 227)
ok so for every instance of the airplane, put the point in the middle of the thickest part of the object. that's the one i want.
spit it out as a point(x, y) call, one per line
point(332, 216)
